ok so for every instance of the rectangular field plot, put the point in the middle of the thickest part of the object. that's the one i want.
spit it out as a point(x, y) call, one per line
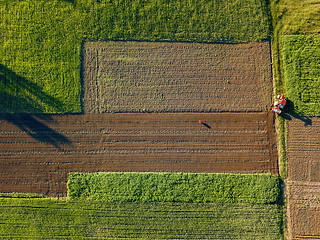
point(176, 77)
point(303, 186)
point(303, 211)
point(174, 187)
point(302, 73)
point(303, 149)
point(38, 152)
point(52, 219)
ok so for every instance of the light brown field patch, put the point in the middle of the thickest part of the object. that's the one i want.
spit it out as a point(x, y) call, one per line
point(303, 185)
point(176, 77)
point(38, 152)
point(304, 149)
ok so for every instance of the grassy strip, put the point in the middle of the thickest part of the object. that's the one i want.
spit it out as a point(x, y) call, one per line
point(282, 138)
point(40, 41)
point(56, 219)
point(20, 195)
point(301, 61)
point(174, 187)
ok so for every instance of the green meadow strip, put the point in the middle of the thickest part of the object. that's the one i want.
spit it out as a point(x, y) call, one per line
point(20, 195)
point(45, 218)
point(174, 187)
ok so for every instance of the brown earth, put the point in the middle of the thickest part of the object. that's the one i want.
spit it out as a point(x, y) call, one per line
point(176, 77)
point(38, 152)
point(303, 184)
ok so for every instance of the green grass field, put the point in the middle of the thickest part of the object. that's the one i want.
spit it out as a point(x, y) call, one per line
point(40, 72)
point(31, 216)
point(43, 218)
point(290, 17)
point(302, 72)
point(174, 187)
point(301, 61)
point(40, 41)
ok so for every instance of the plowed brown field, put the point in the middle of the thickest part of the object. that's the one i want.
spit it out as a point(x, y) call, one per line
point(176, 77)
point(303, 185)
point(38, 152)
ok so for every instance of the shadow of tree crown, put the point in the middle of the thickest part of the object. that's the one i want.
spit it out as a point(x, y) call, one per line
point(18, 94)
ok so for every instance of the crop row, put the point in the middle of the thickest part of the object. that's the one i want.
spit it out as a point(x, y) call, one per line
point(174, 187)
point(41, 218)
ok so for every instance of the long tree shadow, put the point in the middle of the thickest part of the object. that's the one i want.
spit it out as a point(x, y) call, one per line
point(19, 95)
point(33, 125)
point(290, 113)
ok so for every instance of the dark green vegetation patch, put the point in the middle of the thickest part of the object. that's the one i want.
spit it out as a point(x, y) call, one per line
point(302, 73)
point(55, 219)
point(40, 41)
point(174, 187)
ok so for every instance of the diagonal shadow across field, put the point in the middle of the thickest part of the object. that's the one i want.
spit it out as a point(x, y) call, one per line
point(34, 127)
point(291, 113)
point(18, 94)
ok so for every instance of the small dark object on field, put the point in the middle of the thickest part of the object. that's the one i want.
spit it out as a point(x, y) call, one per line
point(200, 121)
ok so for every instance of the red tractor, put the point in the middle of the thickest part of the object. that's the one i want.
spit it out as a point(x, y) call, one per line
point(280, 104)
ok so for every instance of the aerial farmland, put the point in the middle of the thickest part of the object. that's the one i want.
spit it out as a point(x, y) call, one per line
point(152, 119)
point(176, 77)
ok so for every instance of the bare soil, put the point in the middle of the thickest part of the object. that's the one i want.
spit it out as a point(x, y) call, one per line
point(176, 77)
point(38, 152)
point(303, 185)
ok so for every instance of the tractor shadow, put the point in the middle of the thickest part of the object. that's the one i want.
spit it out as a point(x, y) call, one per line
point(289, 113)
point(18, 95)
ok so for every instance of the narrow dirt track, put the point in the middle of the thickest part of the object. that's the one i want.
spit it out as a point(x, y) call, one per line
point(38, 152)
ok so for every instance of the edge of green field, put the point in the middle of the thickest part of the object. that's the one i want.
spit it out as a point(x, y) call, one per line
point(288, 17)
point(301, 61)
point(43, 218)
point(40, 41)
point(174, 187)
